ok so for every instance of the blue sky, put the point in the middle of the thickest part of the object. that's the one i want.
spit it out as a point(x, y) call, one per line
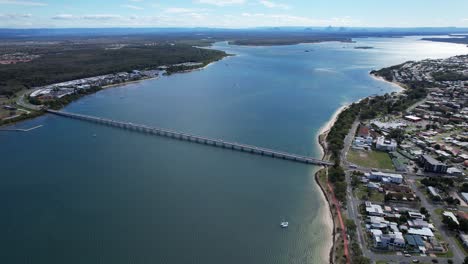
point(232, 13)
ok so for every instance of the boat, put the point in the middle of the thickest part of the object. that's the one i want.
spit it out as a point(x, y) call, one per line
point(284, 224)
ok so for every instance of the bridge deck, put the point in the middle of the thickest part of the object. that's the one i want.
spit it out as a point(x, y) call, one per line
point(197, 139)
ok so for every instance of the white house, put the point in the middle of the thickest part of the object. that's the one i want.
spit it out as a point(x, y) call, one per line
point(386, 144)
point(392, 177)
point(374, 209)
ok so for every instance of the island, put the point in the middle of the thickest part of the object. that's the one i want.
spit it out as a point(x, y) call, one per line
point(363, 47)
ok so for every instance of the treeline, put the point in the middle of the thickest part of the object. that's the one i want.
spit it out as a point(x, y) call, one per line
point(69, 62)
point(444, 76)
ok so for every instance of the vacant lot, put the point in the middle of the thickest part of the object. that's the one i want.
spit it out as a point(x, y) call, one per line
point(370, 159)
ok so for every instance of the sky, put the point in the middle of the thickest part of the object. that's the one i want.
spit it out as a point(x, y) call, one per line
point(232, 13)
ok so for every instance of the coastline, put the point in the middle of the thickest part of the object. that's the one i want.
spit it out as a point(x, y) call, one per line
point(37, 113)
point(400, 86)
point(322, 143)
point(328, 220)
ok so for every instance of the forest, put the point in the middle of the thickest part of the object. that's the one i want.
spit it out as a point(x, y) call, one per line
point(68, 61)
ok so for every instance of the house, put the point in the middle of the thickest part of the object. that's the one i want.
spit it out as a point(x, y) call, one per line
point(454, 171)
point(432, 165)
point(377, 222)
point(465, 196)
point(374, 209)
point(363, 131)
point(415, 215)
point(398, 192)
point(384, 144)
point(464, 238)
point(363, 143)
point(416, 241)
point(392, 177)
point(452, 216)
point(433, 192)
point(385, 240)
point(412, 118)
point(424, 232)
point(418, 223)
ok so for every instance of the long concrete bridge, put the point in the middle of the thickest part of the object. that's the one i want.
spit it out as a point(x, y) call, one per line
point(196, 139)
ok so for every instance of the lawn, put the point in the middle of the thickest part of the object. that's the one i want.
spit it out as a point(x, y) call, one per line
point(370, 159)
point(361, 192)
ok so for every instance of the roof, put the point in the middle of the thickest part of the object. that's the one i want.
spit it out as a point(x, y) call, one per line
point(465, 196)
point(384, 174)
point(431, 160)
point(452, 216)
point(374, 208)
point(422, 232)
point(363, 130)
point(412, 118)
point(414, 240)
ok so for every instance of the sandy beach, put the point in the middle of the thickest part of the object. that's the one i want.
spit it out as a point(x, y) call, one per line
point(328, 220)
point(326, 211)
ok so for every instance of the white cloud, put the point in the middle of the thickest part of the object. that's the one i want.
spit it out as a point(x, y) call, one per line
point(23, 3)
point(64, 17)
point(134, 7)
point(14, 16)
point(101, 17)
point(178, 10)
point(271, 4)
point(222, 2)
point(86, 17)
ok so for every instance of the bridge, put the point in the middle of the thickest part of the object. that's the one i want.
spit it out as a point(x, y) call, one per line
point(195, 139)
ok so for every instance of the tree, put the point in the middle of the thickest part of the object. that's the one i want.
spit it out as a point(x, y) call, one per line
point(364, 260)
point(463, 225)
point(466, 260)
point(423, 210)
point(450, 223)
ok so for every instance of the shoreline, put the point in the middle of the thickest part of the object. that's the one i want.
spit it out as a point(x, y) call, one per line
point(322, 143)
point(37, 113)
point(328, 220)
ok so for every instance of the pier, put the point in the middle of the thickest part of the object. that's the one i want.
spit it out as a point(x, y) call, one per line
point(20, 129)
point(195, 139)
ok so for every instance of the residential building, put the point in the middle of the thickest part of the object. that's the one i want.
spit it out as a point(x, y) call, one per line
point(374, 209)
point(389, 177)
point(432, 165)
point(384, 144)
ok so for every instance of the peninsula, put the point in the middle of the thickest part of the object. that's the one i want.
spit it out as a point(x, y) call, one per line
point(421, 131)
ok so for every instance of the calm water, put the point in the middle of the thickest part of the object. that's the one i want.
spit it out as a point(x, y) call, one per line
point(124, 197)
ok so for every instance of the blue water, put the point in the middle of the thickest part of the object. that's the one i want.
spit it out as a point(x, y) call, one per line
point(125, 197)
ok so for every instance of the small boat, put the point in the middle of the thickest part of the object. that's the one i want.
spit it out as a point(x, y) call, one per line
point(94, 135)
point(284, 224)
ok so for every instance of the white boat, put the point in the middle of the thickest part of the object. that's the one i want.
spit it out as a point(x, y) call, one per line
point(284, 224)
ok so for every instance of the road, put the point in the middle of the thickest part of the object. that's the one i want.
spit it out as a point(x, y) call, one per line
point(21, 101)
point(458, 255)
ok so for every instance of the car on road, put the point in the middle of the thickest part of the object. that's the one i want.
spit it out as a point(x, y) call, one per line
point(407, 255)
point(415, 261)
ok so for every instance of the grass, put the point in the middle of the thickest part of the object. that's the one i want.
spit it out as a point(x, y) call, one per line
point(439, 211)
point(361, 192)
point(370, 159)
point(460, 245)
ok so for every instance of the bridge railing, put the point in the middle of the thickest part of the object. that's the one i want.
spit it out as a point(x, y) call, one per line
point(190, 137)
